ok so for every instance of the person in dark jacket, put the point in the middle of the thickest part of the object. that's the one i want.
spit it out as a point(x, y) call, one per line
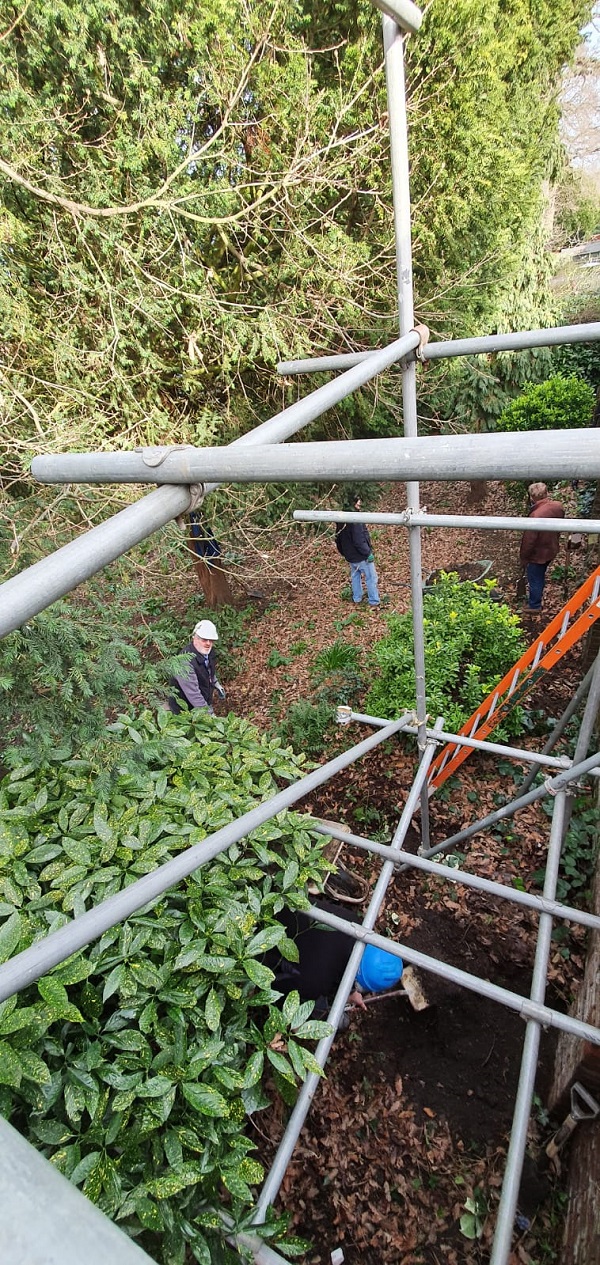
point(538, 548)
point(354, 543)
point(196, 686)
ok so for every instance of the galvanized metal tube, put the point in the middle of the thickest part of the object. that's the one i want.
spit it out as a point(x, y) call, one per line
point(550, 786)
point(406, 14)
point(550, 454)
point(408, 860)
point(454, 975)
point(518, 1136)
point(521, 340)
point(586, 730)
point(173, 464)
point(29, 592)
point(478, 744)
point(307, 1092)
point(393, 44)
point(45, 1219)
point(559, 728)
point(421, 518)
point(25, 967)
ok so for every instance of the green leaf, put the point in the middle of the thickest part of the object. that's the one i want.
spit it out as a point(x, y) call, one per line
point(59, 1006)
point(166, 1187)
point(290, 875)
point(10, 934)
point(291, 1006)
point(206, 1100)
point(149, 1214)
point(34, 1068)
point(104, 832)
point(82, 1170)
point(155, 1087)
point(259, 974)
point(254, 1067)
point(212, 1010)
point(264, 940)
point(314, 1030)
point(236, 1184)
point(10, 1066)
point(280, 1063)
point(51, 1132)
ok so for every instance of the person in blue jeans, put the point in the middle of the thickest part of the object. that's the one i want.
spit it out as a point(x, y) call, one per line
point(354, 543)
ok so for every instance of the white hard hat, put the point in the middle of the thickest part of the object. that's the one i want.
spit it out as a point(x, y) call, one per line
point(206, 629)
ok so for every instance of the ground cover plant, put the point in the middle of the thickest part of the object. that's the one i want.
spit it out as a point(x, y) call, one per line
point(134, 1065)
point(470, 642)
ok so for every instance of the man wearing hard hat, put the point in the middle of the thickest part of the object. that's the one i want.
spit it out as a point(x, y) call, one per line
point(195, 688)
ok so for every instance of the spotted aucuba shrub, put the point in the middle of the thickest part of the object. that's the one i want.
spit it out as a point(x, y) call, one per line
point(135, 1065)
point(470, 643)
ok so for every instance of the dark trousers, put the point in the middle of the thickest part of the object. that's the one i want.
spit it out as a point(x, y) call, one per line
point(536, 578)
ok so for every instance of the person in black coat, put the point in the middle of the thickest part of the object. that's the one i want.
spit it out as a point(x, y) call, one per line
point(196, 686)
point(354, 543)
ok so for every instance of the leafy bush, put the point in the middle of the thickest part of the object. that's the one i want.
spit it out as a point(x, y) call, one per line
point(558, 404)
point(470, 643)
point(134, 1065)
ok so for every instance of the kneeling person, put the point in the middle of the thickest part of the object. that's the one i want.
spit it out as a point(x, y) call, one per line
point(195, 688)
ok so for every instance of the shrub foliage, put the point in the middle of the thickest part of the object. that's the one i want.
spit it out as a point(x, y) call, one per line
point(134, 1065)
point(557, 404)
point(470, 643)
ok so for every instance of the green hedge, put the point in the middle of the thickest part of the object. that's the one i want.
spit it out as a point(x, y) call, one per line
point(134, 1065)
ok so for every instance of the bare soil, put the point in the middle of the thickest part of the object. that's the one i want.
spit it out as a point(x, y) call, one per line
point(415, 1111)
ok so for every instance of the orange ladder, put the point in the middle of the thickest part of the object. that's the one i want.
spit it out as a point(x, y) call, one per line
point(579, 613)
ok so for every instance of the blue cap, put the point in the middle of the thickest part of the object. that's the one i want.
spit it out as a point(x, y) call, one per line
point(378, 970)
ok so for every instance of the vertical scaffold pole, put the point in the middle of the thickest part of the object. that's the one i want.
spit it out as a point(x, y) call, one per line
point(393, 43)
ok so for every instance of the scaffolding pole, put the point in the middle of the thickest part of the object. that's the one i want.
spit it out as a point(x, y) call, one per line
point(408, 518)
point(48, 1221)
point(549, 787)
point(28, 966)
point(454, 975)
point(518, 1136)
point(307, 1092)
point(567, 454)
point(393, 44)
point(559, 728)
point(407, 860)
point(489, 344)
point(477, 744)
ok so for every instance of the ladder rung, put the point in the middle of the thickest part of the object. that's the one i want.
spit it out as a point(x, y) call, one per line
point(494, 704)
point(538, 654)
point(565, 623)
point(513, 684)
point(596, 589)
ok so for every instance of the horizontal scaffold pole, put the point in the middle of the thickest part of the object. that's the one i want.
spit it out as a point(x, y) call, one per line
point(32, 590)
point(489, 344)
point(412, 518)
point(568, 454)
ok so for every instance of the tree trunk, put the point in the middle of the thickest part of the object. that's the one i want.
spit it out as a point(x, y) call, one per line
point(213, 581)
